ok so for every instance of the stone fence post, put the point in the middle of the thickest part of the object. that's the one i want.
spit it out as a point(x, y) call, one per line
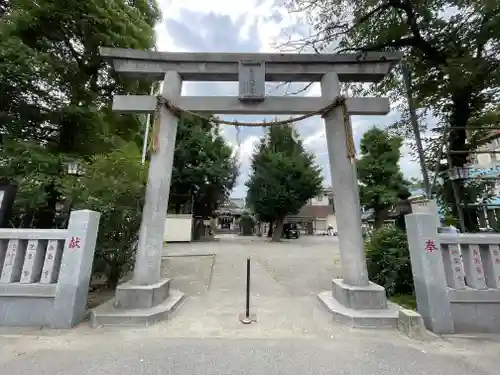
point(429, 278)
point(76, 267)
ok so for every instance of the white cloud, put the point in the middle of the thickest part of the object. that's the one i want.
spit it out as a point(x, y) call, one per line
point(248, 26)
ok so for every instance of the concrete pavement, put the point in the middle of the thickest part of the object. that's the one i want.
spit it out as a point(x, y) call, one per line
point(293, 335)
point(147, 351)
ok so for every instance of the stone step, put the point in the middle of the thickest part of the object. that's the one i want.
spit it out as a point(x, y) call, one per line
point(108, 315)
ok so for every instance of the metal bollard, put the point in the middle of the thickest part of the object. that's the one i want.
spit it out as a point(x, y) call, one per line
point(246, 317)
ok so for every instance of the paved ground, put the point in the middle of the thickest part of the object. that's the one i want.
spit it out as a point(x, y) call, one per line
point(284, 285)
point(293, 335)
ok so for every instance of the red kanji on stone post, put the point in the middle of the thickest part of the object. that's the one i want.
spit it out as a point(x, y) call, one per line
point(74, 243)
point(430, 246)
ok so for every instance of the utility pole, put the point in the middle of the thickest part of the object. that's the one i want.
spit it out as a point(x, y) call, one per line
point(416, 130)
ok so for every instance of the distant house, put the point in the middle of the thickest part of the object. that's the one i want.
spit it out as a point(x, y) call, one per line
point(488, 165)
point(317, 214)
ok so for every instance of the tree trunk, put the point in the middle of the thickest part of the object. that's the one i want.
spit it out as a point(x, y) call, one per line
point(277, 232)
point(113, 275)
point(379, 216)
point(461, 113)
point(112, 282)
point(270, 230)
point(471, 219)
point(459, 119)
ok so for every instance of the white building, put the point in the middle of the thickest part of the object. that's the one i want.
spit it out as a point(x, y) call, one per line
point(486, 165)
point(318, 213)
point(488, 161)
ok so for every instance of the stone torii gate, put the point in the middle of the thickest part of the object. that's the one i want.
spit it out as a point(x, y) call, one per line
point(147, 296)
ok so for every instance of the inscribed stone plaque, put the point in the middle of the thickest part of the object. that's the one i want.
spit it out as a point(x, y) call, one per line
point(13, 263)
point(474, 267)
point(33, 261)
point(492, 269)
point(252, 80)
point(52, 262)
point(452, 258)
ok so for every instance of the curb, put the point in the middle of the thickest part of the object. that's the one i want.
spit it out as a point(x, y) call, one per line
point(411, 324)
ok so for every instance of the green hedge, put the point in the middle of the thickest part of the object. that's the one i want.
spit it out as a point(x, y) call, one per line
point(388, 260)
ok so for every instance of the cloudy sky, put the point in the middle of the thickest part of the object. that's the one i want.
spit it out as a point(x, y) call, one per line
point(248, 26)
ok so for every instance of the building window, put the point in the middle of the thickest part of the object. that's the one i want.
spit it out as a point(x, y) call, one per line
point(493, 157)
point(319, 198)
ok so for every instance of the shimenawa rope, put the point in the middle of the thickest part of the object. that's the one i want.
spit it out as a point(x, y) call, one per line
point(177, 111)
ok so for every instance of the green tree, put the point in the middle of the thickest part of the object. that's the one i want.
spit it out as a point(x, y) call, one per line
point(31, 167)
point(56, 91)
point(205, 171)
point(283, 177)
point(379, 174)
point(247, 224)
point(114, 185)
point(452, 49)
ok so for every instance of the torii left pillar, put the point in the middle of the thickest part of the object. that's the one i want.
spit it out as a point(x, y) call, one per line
point(147, 297)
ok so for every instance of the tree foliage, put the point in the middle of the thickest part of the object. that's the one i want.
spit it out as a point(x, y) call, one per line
point(56, 91)
point(114, 185)
point(379, 174)
point(283, 177)
point(452, 49)
point(205, 170)
point(32, 168)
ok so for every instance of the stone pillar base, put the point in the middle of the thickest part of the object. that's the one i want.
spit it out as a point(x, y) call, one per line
point(371, 296)
point(360, 306)
point(130, 296)
point(137, 305)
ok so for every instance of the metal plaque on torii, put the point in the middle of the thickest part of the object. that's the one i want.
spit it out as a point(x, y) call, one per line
point(252, 80)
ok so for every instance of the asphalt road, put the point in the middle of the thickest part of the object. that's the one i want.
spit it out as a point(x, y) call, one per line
point(294, 335)
point(148, 356)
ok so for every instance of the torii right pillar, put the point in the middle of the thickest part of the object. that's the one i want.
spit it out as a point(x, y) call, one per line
point(354, 300)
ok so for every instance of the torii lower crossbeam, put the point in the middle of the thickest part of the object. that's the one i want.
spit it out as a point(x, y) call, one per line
point(272, 105)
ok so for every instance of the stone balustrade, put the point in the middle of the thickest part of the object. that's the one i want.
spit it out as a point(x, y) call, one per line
point(456, 277)
point(45, 273)
point(471, 261)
